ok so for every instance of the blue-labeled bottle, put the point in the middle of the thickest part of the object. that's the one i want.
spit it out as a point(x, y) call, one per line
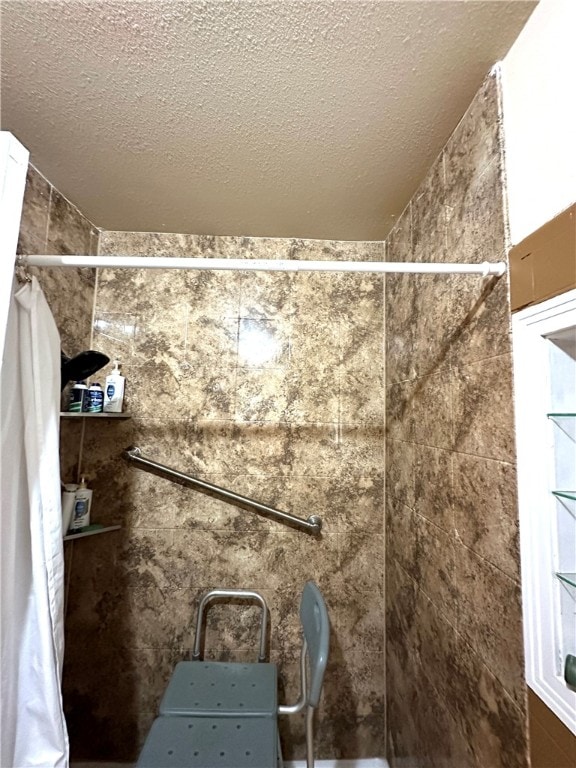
point(78, 397)
point(82, 504)
point(95, 398)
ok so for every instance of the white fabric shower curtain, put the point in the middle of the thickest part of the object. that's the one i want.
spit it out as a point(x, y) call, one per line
point(32, 725)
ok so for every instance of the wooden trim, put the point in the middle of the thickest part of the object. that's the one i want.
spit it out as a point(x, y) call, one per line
point(544, 264)
point(551, 743)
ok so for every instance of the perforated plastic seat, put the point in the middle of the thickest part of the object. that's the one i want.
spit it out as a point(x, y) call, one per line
point(226, 689)
point(205, 688)
point(204, 742)
point(225, 714)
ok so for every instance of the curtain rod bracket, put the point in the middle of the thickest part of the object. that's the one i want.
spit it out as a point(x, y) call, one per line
point(21, 269)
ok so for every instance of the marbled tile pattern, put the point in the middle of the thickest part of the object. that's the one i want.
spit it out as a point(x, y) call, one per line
point(271, 384)
point(456, 697)
point(50, 224)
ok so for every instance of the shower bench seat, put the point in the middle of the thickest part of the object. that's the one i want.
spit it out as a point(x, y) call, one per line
point(225, 714)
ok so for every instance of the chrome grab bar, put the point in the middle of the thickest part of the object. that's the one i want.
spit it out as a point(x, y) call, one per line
point(312, 525)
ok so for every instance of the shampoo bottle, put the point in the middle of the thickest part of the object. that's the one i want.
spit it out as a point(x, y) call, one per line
point(68, 504)
point(78, 400)
point(114, 390)
point(82, 504)
point(95, 398)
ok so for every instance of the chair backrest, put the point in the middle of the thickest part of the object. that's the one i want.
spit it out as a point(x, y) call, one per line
point(316, 627)
point(248, 595)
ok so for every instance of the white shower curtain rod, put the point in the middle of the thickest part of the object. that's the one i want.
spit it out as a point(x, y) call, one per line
point(269, 265)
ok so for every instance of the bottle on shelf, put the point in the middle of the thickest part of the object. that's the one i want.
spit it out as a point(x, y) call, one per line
point(78, 402)
point(95, 398)
point(114, 390)
point(82, 504)
point(68, 503)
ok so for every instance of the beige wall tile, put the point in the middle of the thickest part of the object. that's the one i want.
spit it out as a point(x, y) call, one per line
point(482, 409)
point(268, 384)
point(35, 213)
point(455, 688)
point(491, 485)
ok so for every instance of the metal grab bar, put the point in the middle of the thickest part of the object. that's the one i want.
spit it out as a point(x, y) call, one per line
point(239, 594)
point(312, 525)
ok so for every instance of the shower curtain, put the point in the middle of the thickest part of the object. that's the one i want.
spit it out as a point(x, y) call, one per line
point(32, 725)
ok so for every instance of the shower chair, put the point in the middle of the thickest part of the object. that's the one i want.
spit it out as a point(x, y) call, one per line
point(225, 714)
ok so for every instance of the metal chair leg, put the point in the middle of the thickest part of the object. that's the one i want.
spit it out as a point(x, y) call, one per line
point(310, 737)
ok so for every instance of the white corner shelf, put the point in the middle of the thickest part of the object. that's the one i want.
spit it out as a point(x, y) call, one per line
point(95, 532)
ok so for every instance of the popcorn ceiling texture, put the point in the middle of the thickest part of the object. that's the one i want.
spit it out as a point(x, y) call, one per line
point(305, 119)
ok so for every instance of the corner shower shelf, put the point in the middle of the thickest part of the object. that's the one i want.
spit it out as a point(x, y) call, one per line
point(561, 415)
point(568, 578)
point(565, 494)
point(72, 415)
point(95, 532)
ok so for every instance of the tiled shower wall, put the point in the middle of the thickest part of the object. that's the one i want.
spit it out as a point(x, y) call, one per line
point(270, 384)
point(455, 688)
point(52, 224)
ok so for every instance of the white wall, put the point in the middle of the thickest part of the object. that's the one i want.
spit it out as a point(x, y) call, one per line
point(539, 94)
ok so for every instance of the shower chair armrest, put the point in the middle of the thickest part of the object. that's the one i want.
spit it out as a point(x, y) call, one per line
point(298, 706)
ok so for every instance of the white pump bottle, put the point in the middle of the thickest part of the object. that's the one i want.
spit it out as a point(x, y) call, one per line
point(114, 390)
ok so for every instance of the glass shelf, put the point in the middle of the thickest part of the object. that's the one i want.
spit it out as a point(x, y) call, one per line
point(94, 532)
point(568, 578)
point(561, 415)
point(73, 415)
point(565, 494)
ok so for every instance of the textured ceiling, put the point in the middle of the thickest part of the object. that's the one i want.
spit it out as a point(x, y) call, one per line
point(242, 117)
